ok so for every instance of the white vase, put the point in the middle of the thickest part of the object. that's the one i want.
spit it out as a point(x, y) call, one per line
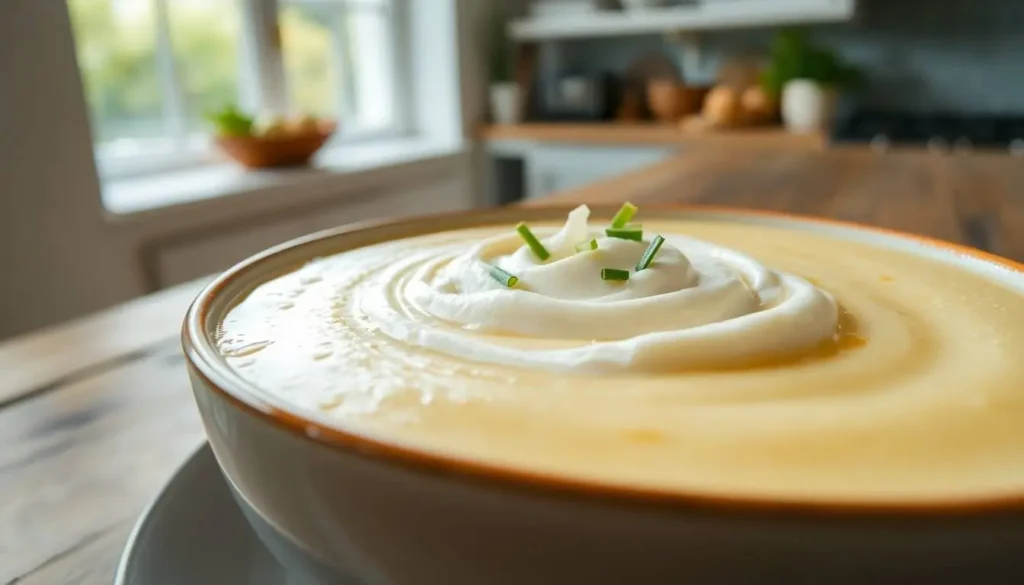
point(505, 102)
point(807, 106)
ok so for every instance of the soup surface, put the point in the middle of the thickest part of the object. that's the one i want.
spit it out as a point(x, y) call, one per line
point(744, 360)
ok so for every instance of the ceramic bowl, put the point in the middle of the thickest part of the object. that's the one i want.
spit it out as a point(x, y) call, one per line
point(332, 502)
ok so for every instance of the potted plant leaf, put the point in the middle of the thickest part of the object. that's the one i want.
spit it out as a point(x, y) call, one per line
point(807, 80)
point(504, 91)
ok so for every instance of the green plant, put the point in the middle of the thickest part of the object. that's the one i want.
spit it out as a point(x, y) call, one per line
point(793, 56)
point(500, 49)
point(230, 121)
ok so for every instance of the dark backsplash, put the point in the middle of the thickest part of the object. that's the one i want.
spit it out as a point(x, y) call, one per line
point(963, 56)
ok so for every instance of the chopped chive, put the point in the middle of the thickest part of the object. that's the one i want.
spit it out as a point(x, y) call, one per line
point(648, 256)
point(625, 213)
point(631, 232)
point(591, 245)
point(503, 277)
point(531, 240)
point(614, 274)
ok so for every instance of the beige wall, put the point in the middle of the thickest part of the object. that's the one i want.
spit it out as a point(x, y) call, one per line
point(60, 257)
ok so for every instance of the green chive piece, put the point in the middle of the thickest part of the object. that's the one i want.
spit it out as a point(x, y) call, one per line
point(531, 240)
point(585, 246)
point(648, 256)
point(630, 232)
point(614, 274)
point(626, 213)
point(503, 277)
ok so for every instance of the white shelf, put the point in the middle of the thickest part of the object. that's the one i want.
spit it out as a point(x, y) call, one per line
point(714, 14)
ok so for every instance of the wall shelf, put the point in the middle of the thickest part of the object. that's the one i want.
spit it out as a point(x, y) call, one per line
point(717, 14)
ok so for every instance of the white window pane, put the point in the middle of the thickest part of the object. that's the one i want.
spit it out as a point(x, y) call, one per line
point(339, 61)
point(312, 68)
point(149, 82)
point(206, 39)
point(116, 46)
point(371, 43)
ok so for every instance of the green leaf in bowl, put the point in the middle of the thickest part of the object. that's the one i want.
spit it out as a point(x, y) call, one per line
point(230, 121)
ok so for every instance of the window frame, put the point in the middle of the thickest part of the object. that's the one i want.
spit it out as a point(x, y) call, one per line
point(263, 87)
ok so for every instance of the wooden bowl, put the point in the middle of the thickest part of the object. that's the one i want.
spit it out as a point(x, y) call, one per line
point(256, 152)
point(670, 100)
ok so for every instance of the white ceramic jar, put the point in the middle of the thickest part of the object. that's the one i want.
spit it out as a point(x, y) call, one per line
point(807, 106)
point(505, 102)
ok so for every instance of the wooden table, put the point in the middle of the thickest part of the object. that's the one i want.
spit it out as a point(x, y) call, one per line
point(96, 414)
point(976, 200)
point(650, 134)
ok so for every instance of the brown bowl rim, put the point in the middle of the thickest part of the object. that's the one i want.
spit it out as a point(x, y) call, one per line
point(274, 140)
point(216, 375)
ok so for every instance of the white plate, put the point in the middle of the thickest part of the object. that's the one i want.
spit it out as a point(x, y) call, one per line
point(194, 533)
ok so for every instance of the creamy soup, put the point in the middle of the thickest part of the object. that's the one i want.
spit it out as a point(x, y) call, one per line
point(727, 358)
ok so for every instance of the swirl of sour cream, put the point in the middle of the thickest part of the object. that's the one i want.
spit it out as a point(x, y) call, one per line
point(697, 305)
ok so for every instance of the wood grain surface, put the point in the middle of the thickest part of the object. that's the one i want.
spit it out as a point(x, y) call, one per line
point(976, 200)
point(651, 134)
point(95, 415)
point(38, 361)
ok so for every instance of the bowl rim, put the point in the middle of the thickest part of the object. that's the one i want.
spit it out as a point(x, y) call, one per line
point(201, 359)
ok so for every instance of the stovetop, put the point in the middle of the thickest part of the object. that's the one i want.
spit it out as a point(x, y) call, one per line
point(946, 132)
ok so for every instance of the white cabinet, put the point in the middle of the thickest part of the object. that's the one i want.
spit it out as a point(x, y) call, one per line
point(554, 168)
point(201, 254)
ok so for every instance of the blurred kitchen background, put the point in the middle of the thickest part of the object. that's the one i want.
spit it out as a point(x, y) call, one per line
point(146, 143)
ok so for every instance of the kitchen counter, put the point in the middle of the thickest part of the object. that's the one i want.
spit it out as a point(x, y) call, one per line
point(649, 134)
point(95, 414)
point(976, 199)
point(533, 161)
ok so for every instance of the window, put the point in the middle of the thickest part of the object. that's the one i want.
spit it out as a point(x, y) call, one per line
point(152, 69)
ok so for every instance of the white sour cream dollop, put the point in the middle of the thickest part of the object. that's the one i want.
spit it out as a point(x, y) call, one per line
point(696, 306)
